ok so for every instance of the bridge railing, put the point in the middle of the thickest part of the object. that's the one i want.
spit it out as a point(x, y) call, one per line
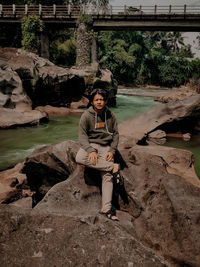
point(62, 11)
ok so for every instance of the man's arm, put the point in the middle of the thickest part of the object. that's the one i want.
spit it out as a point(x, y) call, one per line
point(115, 141)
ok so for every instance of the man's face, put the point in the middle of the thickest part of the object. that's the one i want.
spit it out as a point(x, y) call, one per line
point(98, 103)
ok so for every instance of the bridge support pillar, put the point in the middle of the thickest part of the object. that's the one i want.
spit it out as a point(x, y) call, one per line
point(44, 47)
point(83, 51)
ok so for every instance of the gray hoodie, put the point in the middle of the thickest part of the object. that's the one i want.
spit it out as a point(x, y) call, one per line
point(100, 129)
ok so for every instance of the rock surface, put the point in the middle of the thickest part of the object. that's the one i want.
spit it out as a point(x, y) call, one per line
point(64, 240)
point(14, 118)
point(170, 117)
point(54, 111)
point(83, 103)
point(12, 94)
point(11, 182)
point(169, 219)
point(158, 208)
point(157, 137)
point(177, 94)
point(44, 82)
point(49, 165)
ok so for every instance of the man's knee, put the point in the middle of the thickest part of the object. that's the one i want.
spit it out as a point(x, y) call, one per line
point(107, 177)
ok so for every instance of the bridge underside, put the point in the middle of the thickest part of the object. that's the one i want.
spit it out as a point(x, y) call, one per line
point(147, 25)
point(187, 23)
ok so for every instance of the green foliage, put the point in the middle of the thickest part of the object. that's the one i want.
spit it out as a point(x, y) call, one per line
point(66, 53)
point(174, 72)
point(120, 52)
point(85, 18)
point(62, 47)
point(32, 27)
point(159, 58)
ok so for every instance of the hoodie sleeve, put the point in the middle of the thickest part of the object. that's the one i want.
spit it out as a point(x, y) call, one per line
point(115, 141)
point(83, 136)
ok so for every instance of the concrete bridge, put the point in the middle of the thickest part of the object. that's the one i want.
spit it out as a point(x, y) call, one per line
point(150, 18)
point(146, 18)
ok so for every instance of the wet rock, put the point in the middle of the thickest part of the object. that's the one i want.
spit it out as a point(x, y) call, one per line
point(104, 80)
point(171, 117)
point(158, 137)
point(54, 111)
point(177, 94)
point(187, 137)
point(83, 103)
point(10, 118)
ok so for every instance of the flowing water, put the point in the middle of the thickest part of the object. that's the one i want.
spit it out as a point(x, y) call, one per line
point(16, 144)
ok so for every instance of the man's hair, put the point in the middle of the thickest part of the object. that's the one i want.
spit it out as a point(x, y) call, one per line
point(100, 92)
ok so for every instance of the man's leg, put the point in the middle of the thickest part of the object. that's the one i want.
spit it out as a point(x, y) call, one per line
point(102, 165)
point(106, 168)
point(107, 190)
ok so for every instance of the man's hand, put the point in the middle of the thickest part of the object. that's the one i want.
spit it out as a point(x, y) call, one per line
point(110, 156)
point(93, 158)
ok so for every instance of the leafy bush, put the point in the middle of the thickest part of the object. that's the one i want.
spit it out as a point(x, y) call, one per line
point(85, 18)
point(65, 53)
point(174, 72)
point(32, 27)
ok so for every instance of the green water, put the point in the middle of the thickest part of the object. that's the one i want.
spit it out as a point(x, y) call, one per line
point(193, 145)
point(16, 144)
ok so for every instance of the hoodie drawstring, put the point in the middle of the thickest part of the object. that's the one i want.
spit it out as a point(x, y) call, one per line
point(105, 123)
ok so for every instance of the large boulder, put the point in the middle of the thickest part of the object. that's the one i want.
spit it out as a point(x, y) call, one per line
point(159, 205)
point(44, 82)
point(98, 78)
point(179, 116)
point(13, 185)
point(45, 239)
point(169, 218)
point(176, 94)
point(10, 118)
point(49, 165)
point(12, 94)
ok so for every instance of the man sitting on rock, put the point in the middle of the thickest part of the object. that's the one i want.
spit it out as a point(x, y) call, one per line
point(98, 137)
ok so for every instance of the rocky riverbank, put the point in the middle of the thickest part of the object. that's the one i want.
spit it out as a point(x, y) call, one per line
point(33, 88)
point(158, 207)
point(159, 94)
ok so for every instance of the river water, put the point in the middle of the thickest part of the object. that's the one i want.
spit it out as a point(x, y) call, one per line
point(16, 144)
